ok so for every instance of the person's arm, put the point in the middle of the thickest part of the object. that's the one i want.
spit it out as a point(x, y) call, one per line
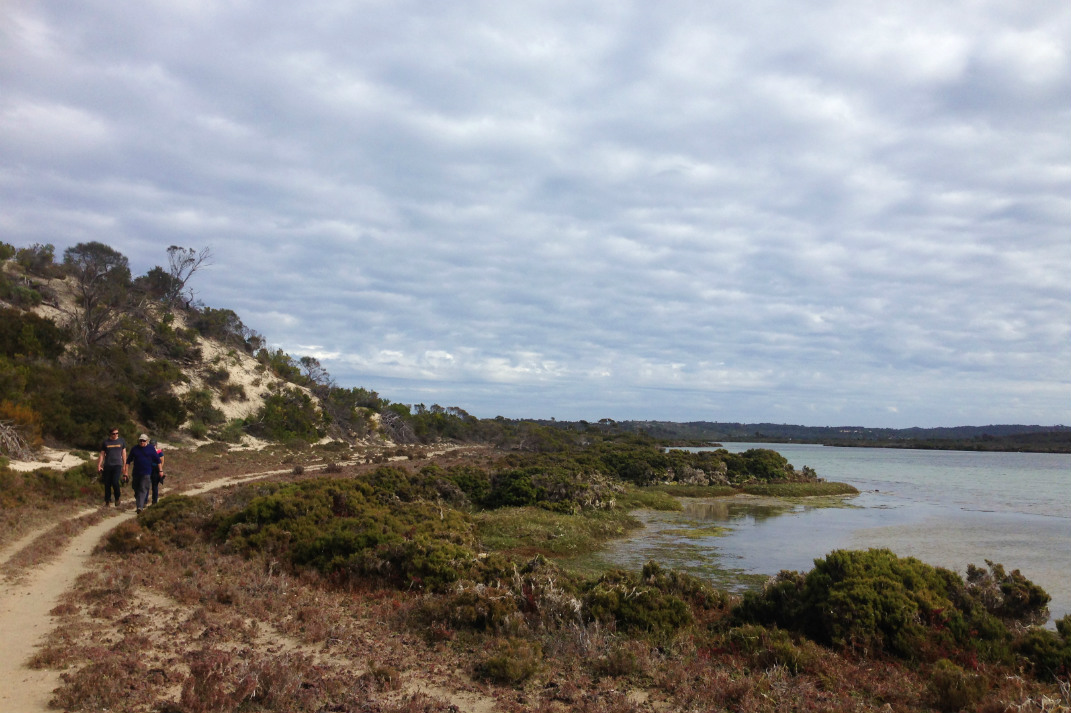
point(100, 462)
point(126, 459)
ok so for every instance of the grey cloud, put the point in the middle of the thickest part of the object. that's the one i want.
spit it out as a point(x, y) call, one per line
point(821, 213)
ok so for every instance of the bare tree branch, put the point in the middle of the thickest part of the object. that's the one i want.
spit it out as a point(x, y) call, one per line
point(182, 263)
point(13, 443)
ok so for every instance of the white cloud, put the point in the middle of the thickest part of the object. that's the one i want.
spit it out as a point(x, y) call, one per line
point(670, 210)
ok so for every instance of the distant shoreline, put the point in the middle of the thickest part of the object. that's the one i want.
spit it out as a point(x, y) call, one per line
point(969, 446)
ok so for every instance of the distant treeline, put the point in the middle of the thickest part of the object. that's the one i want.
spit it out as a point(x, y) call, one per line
point(1000, 437)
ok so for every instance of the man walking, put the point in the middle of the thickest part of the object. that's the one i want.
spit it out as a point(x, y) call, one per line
point(112, 465)
point(144, 457)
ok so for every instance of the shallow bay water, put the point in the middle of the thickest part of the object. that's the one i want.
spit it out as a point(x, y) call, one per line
point(947, 508)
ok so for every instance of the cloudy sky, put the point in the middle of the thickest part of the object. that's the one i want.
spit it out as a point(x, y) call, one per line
point(822, 213)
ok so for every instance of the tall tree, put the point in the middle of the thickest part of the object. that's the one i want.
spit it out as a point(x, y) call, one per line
point(102, 283)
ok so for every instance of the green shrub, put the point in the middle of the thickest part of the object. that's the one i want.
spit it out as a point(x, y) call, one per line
point(476, 607)
point(512, 661)
point(37, 259)
point(198, 429)
point(130, 536)
point(19, 488)
point(1048, 653)
point(1010, 597)
point(689, 588)
point(26, 335)
point(198, 403)
point(232, 432)
point(873, 602)
point(354, 529)
point(178, 519)
point(286, 415)
point(633, 606)
point(164, 412)
point(952, 689)
point(764, 647)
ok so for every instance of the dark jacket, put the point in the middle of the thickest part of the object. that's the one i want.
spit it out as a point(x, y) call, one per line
point(143, 458)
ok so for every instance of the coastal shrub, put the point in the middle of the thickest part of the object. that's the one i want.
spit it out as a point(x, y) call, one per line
point(178, 519)
point(512, 488)
point(476, 607)
point(474, 482)
point(634, 606)
point(231, 432)
point(1009, 596)
point(27, 335)
point(164, 412)
point(20, 295)
point(78, 403)
point(198, 403)
point(511, 662)
point(129, 536)
point(621, 659)
point(37, 259)
point(696, 592)
point(1048, 653)
point(17, 488)
point(951, 689)
point(353, 529)
point(286, 415)
point(764, 647)
point(874, 602)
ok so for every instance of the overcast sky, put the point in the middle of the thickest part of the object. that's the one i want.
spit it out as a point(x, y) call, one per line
point(822, 213)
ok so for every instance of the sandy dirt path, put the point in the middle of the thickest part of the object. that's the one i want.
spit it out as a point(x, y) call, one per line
point(25, 620)
point(24, 606)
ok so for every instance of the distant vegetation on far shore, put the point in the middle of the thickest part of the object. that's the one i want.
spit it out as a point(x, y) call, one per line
point(1005, 437)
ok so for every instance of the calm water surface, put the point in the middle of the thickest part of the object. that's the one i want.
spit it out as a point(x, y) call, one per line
point(947, 508)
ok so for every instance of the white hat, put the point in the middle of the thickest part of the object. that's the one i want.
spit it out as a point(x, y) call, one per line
point(143, 437)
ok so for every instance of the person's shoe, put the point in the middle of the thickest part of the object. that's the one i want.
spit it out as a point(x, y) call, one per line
point(139, 511)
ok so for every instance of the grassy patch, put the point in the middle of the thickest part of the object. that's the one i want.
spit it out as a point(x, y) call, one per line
point(799, 490)
point(648, 499)
point(695, 491)
point(532, 530)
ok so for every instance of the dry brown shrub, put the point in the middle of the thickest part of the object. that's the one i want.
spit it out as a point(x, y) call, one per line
point(379, 678)
point(225, 681)
point(102, 684)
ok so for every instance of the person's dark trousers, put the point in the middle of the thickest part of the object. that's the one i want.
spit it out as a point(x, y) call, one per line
point(155, 484)
point(110, 477)
point(141, 490)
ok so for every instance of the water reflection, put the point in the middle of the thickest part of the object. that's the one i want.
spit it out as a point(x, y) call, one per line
point(733, 510)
